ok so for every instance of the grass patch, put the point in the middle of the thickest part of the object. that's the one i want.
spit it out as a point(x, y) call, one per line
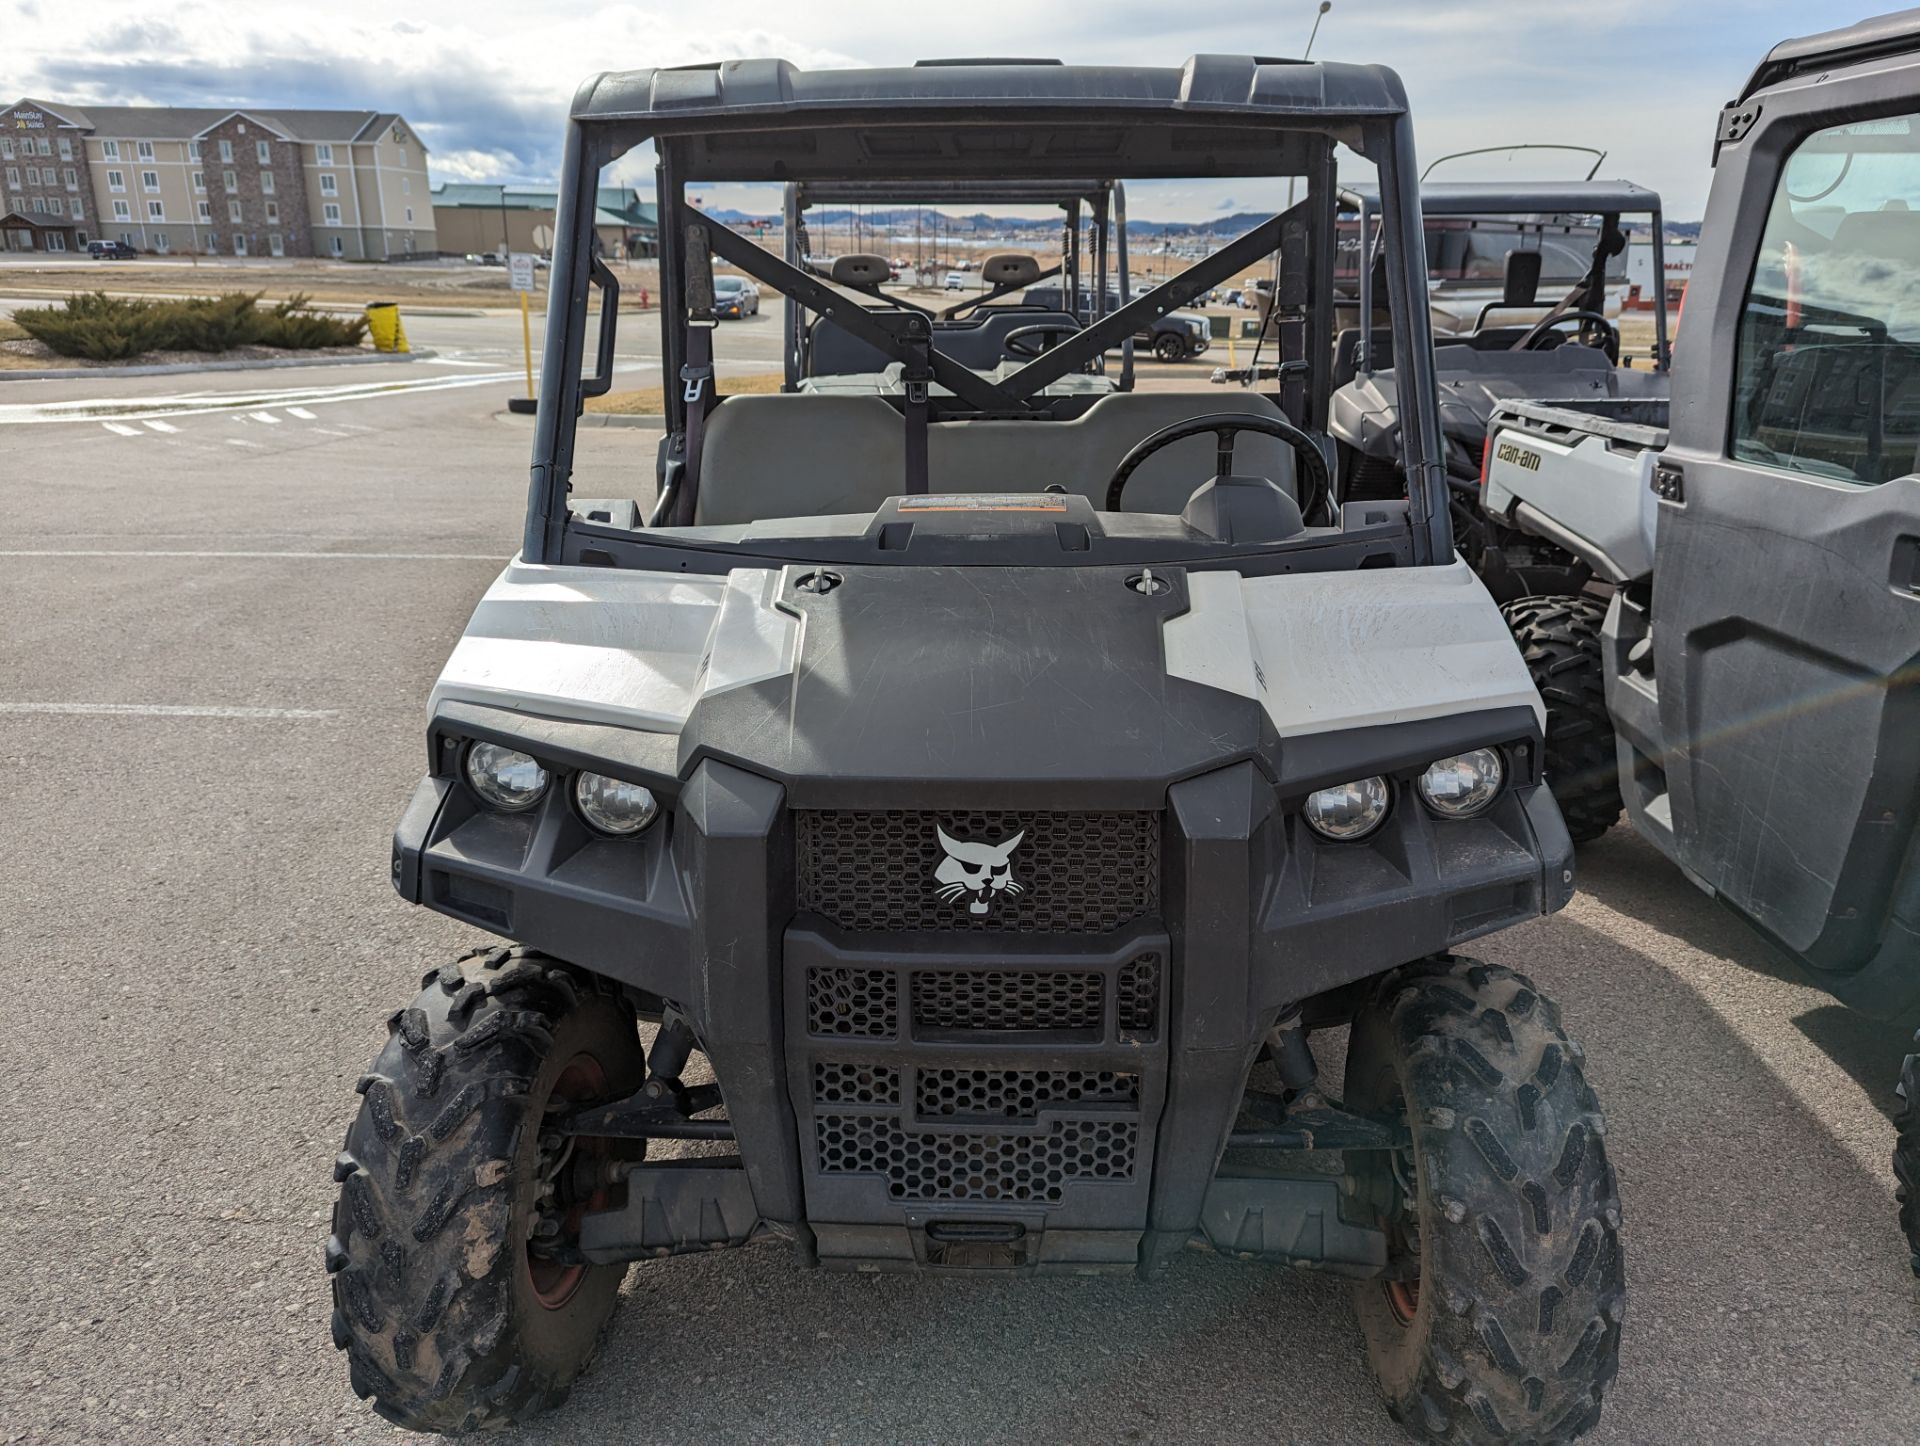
point(99, 327)
point(9, 331)
point(652, 401)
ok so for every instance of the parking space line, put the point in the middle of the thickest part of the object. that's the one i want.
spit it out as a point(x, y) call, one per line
point(161, 427)
point(267, 417)
point(121, 429)
point(166, 710)
point(243, 442)
point(302, 413)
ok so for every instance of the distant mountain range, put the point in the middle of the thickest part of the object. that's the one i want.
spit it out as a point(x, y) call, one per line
point(901, 220)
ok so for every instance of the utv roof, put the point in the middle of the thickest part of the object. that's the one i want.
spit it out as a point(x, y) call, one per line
point(1211, 84)
point(1869, 40)
point(1502, 198)
point(957, 192)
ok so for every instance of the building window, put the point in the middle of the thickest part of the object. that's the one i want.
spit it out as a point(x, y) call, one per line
point(149, 180)
point(409, 215)
point(79, 211)
point(276, 244)
point(226, 152)
point(199, 180)
point(122, 211)
point(229, 180)
point(330, 213)
point(116, 180)
point(13, 178)
point(6, 150)
point(33, 175)
point(266, 183)
point(160, 242)
point(273, 213)
point(57, 206)
point(239, 245)
point(109, 150)
point(206, 211)
point(146, 150)
point(72, 178)
point(329, 184)
point(156, 211)
point(40, 205)
point(406, 186)
point(264, 150)
point(233, 212)
point(337, 246)
point(323, 155)
point(56, 242)
point(66, 149)
point(193, 150)
point(46, 146)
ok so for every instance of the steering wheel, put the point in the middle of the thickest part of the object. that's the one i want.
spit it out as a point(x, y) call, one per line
point(1542, 329)
point(1225, 426)
point(1030, 341)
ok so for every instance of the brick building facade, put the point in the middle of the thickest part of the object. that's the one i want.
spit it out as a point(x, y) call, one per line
point(46, 184)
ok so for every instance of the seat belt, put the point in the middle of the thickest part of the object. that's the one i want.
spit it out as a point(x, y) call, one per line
point(917, 374)
point(696, 371)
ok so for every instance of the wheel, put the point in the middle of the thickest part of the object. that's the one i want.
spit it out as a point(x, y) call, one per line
point(1906, 1152)
point(1560, 639)
point(1498, 1318)
point(1169, 348)
point(447, 1299)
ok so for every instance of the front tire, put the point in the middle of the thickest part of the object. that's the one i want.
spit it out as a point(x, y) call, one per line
point(1499, 1316)
point(1560, 639)
point(452, 1313)
point(1169, 348)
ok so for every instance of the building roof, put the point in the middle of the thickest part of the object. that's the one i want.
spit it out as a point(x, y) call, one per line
point(614, 205)
point(185, 122)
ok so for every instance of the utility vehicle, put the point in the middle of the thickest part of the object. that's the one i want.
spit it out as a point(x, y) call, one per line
point(997, 785)
point(1744, 667)
point(1516, 346)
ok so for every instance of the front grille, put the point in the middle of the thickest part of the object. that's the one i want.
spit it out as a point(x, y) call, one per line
point(863, 1002)
point(1016, 1169)
point(1139, 994)
point(856, 1084)
point(1005, 999)
point(1085, 873)
point(1018, 1094)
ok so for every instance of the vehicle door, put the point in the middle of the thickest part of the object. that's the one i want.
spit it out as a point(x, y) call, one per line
point(1786, 600)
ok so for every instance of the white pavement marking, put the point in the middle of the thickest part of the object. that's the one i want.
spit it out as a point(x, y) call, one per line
point(243, 442)
point(161, 427)
point(302, 413)
point(267, 417)
point(329, 432)
point(237, 552)
point(165, 710)
point(120, 429)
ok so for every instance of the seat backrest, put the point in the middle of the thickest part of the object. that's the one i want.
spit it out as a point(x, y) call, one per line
point(977, 341)
point(803, 455)
point(1346, 354)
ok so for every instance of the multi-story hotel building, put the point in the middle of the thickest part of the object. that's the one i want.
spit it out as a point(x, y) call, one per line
point(246, 182)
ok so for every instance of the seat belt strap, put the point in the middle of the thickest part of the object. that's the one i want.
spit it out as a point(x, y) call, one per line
point(696, 391)
point(917, 375)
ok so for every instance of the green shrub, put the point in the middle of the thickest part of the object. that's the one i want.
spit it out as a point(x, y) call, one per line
point(95, 326)
point(99, 327)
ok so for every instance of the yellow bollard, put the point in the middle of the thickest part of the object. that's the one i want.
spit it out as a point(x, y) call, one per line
point(383, 322)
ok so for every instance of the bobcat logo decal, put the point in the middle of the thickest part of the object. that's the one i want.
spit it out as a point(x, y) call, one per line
point(976, 872)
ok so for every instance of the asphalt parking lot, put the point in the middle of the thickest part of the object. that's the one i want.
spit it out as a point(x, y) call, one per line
point(219, 636)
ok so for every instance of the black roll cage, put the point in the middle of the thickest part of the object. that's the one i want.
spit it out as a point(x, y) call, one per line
point(1284, 129)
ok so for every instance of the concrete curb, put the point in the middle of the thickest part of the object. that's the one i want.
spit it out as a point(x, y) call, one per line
point(597, 419)
point(186, 368)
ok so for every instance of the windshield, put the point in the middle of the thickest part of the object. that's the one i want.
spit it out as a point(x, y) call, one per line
point(871, 409)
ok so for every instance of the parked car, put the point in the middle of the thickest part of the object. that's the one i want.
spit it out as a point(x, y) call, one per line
point(735, 296)
point(1174, 337)
point(956, 281)
point(111, 251)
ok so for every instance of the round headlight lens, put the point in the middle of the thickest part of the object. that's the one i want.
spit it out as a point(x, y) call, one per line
point(509, 781)
point(1349, 810)
point(1463, 786)
point(613, 805)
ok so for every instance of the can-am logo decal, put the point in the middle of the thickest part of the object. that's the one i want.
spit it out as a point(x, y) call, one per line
point(976, 872)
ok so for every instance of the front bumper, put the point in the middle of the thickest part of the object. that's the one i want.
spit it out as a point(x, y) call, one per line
point(1254, 914)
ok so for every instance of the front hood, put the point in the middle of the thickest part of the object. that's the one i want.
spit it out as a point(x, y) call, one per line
point(961, 685)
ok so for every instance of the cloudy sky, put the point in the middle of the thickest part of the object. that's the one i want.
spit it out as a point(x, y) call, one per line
point(486, 82)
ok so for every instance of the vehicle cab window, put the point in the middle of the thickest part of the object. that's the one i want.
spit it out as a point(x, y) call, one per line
point(1827, 374)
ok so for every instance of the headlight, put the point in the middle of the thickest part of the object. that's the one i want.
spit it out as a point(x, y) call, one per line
point(1349, 810)
point(613, 805)
point(511, 782)
point(1463, 786)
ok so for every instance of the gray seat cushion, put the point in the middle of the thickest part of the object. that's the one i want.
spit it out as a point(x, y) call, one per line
point(805, 455)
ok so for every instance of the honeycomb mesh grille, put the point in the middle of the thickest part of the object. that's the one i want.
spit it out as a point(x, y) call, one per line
point(1013, 1168)
point(1017, 1094)
point(1006, 999)
point(856, 1084)
point(863, 1002)
point(1138, 994)
point(1074, 872)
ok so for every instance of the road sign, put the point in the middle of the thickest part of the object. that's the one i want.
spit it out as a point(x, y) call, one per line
point(520, 271)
